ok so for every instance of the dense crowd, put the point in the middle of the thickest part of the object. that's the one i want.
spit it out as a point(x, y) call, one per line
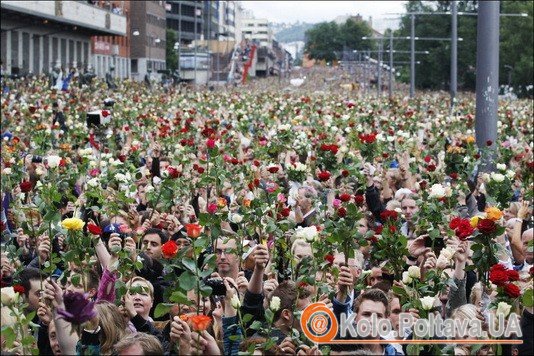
point(145, 220)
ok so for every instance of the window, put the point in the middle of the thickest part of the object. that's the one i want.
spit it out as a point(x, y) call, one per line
point(134, 66)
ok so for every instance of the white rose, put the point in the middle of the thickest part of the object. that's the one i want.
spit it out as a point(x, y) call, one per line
point(53, 161)
point(485, 177)
point(497, 177)
point(466, 159)
point(503, 308)
point(235, 302)
point(427, 303)
point(94, 182)
point(275, 304)
point(39, 171)
point(414, 272)
point(236, 218)
point(120, 177)
point(447, 253)
point(501, 166)
point(156, 180)
point(6, 171)
point(8, 296)
point(306, 233)
point(406, 279)
point(437, 191)
point(510, 174)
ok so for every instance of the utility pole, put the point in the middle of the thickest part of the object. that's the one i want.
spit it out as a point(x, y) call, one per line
point(412, 56)
point(379, 71)
point(487, 81)
point(390, 86)
point(454, 51)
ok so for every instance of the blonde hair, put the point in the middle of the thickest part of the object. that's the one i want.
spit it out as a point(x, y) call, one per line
point(393, 204)
point(476, 294)
point(149, 343)
point(465, 312)
point(113, 324)
point(142, 280)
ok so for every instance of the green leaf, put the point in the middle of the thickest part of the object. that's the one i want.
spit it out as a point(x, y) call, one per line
point(187, 280)
point(205, 290)
point(190, 264)
point(162, 309)
point(246, 318)
point(9, 335)
point(256, 325)
point(179, 297)
point(434, 234)
point(528, 298)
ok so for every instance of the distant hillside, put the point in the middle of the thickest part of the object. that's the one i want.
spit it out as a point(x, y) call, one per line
point(291, 33)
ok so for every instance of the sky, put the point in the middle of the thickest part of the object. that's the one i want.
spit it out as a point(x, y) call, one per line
point(318, 11)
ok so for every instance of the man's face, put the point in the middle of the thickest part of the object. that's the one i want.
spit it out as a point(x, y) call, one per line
point(368, 308)
point(375, 276)
point(52, 337)
point(304, 200)
point(527, 250)
point(152, 245)
point(33, 294)
point(409, 208)
point(395, 311)
point(355, 269)
point(362, 226)
point(227, 260)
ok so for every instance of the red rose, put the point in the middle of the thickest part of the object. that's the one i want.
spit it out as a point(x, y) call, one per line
point(334, 149)
point(234, 161)
point(344, 197)
point(212, 208)
point(476, 156)
point(455, 223)
point(169, 249)
point(392, 228)
point(423, 184)
point(359, 199)
point(431, 167)
point(324, 176)
point(273, 169)
point(427, 158)
point(342, 212)
point(486, 226)
point(210, 143)
point(498, 275)
point(256, 163)
point(378, 230)
point(464, 229)
point(200, 170)
point(489, 143)
point(19, 289)
point(513, 275)
point(173, 172)
point(285, 212)
point(105, 113)
point(454, 175)
point(531, 271)
point(512, 290)
point(94, 229)
point(345, 173)
point(26, 186)
point(330, 259)
point(388, 215)
point(385, 155)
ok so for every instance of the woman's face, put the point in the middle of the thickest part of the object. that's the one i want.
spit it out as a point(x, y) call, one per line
point(141, 298)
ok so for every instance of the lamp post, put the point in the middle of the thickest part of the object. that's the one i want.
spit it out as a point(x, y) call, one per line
point(198, 12)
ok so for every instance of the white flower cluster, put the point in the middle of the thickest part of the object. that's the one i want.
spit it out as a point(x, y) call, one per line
point(439, 191)
point(284, 127)
point(306, 233)
point(299, 167)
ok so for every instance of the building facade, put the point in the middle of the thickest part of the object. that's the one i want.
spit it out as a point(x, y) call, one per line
point(38, 36)
point(147, 38)
point(257, 30)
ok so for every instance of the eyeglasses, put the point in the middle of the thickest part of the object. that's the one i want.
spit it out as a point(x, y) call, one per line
point(220, 251)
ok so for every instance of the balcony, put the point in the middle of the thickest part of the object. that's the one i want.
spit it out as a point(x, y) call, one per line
point(75, 13)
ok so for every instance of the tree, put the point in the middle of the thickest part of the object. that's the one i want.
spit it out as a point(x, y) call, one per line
point(171, 55)
point(326, 40)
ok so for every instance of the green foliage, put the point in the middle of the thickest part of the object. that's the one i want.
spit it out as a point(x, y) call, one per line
point(434, 70)
point(171, 55)
point(326, 38)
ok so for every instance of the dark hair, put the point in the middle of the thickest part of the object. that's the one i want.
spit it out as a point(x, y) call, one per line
point(287, 292)
point(375, 295)
point(162, 235)
point(26, 276)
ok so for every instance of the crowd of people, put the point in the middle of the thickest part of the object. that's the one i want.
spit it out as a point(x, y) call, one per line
point(207, 222)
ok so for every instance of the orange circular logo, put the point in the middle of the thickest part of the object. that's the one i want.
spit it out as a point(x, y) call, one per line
point(319, 323)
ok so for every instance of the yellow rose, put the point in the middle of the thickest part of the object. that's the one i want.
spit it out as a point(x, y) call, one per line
point(73, 224)
point(493, 213)
point(474, 221)
point(470, 139)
